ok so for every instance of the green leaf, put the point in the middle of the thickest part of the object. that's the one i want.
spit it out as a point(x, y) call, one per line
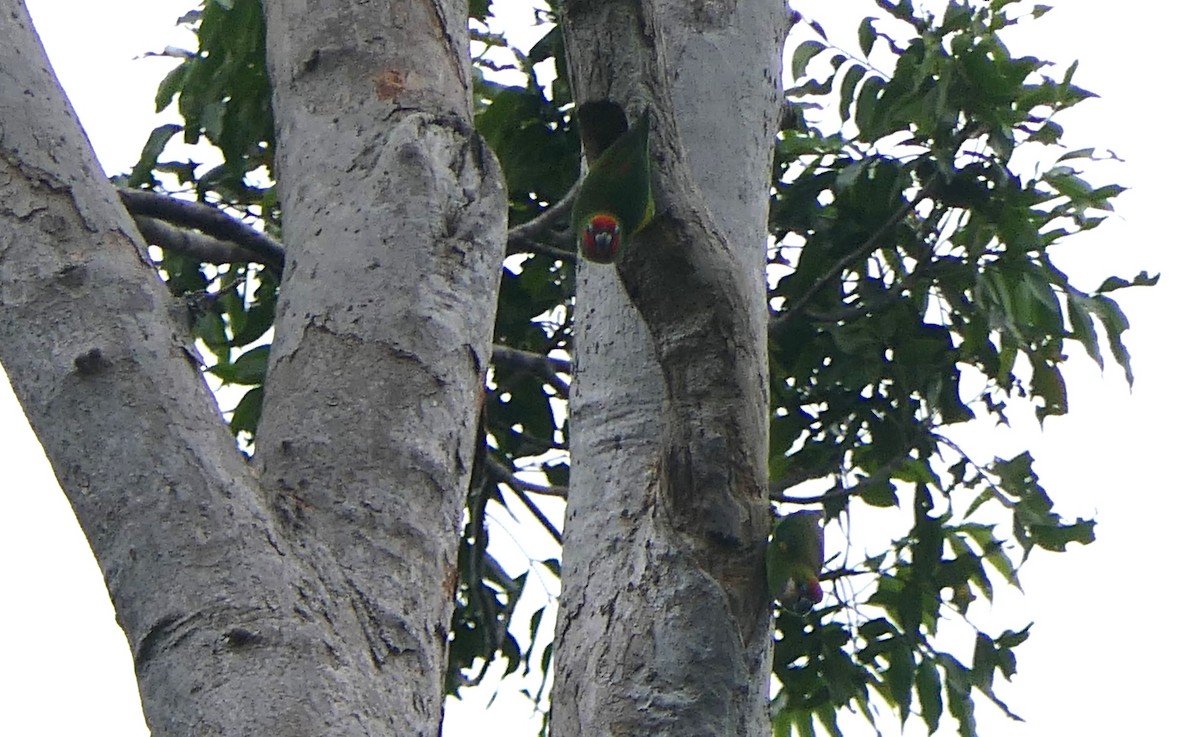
point(993, 550)
point(1113, 283)
point(170, 86)
point(1068, 183)
point(929, 694)
point(958, 696)
point(881, 494)
point(1115, 323)
point(1048, 385)
point(899, 679)
point(247, 413)
point(248, 368)
point(983, 663)
point(828, 717)
point(155, 143)
point(479, 9)
point(849, 84)
point(255, 323)
point(525, 131)
point(866, 112)
point(1056, 537)
point(210, 328)
point(1010, 639)
point(1082, 328)
point(1079, 153)
point(1049, 133)
point(548, 46)
point(803, 54)
point(867, 36)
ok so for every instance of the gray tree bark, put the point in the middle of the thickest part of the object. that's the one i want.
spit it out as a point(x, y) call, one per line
point(664, 626)
point(394, 220)
point(309, 596)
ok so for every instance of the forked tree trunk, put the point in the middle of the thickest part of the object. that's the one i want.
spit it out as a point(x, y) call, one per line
point(312, 597)
point(664, 627)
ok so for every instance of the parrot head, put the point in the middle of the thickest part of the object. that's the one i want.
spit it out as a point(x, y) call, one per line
point(795, 556)
point(601, 239)
point(615, 199)
point(807, 595)
point(800, 596)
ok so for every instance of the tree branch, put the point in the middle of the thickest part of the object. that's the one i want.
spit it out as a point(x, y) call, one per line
point(784, 321)
point(517, 484)
point(192, 242)
point(538, 235)
point(844, 572)
point(524, 244)
point(205, 218)
point(998, 493)
point(881, 474)
point(102, 370)
point(532, 236)
point(777, 487)
point(544, 366)
point(530, 360)
point(519, 487)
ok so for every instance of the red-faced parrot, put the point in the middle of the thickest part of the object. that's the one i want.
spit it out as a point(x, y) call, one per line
point(615, 200)
point(795, 556)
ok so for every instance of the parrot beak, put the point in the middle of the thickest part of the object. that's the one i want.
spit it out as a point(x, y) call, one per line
point(800, 597)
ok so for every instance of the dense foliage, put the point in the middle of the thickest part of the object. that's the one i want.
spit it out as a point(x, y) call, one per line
point(912, 289)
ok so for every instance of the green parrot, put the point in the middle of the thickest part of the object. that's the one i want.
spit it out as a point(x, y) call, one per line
point(615, 200)
point(795, 556)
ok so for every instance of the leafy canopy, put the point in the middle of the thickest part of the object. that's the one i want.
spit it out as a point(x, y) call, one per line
point(912, 289)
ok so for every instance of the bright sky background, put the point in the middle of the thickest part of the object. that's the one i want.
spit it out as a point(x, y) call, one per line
point(1112, 650)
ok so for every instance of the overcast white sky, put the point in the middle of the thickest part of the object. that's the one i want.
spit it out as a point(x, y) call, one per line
point(1112, 648)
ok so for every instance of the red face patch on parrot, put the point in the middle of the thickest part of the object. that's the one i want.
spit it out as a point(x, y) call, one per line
point(813, 592)
point(601, 239)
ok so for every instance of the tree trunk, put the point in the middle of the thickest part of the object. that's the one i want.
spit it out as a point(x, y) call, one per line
point(394, 220)
point(664, 627)
point(314, 601)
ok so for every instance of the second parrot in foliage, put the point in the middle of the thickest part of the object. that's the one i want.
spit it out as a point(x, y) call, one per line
point(795, 556)
point(615, 200)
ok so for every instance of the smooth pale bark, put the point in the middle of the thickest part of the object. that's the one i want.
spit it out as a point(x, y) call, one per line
point(314, 601)
point(665, 623)
point(394, 219)
point(102, 368)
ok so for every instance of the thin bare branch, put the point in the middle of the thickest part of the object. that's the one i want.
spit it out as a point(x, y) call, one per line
point(998, 493)
point(778, 486)
point(530, 360)
point(540, 234)
point(544, 366)
point(537, 513)
point(528, 245)
point(836, 573)
point(519, 489)
point(192, 243)
point(516, 484)
point(548, 218)
point(205, 218)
